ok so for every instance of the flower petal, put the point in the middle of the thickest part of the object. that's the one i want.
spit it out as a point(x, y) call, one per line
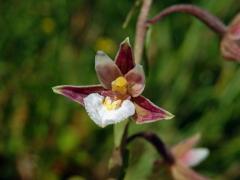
point(230, 49)
point(136, 80)
point(124, 58)
point(181, 172)
point(107, 70)
point(183, 147)
point(230, 43)
point(194, 156)
point(147, 112)
point(77, 93)
point(101, 115)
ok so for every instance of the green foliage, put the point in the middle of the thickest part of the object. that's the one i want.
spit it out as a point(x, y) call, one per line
point(47, 43)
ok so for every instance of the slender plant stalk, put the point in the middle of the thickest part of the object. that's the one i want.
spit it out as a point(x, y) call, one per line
point(119, 132)
point(141, 29)
point(210, 20)
point(157, 143)
point(116, 162)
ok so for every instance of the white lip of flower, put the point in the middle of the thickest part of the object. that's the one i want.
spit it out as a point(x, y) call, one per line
point(102, 115)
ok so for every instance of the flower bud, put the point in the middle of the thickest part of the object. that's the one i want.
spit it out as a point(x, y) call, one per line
point(230, 44)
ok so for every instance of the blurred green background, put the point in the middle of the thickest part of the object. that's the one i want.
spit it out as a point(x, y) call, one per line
point(47, 43)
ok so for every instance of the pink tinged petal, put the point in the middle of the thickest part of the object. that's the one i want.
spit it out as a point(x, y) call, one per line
point(234, 28)
point(182, 148)
point(230, 49)
point(147, 112)
point(77, 93)
point(136, 81)
point(181, 172)
point(230, 44)
point(234, 31)
point(194, 156)
point(124, 58)
point(107, 70)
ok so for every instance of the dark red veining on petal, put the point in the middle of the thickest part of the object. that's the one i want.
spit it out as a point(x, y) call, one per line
point(136, 80)
point(147, 104)
point(146, 111)
point(78, 93)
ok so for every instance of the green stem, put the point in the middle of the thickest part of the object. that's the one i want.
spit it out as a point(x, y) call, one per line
point(119, 130)
point(116, 163)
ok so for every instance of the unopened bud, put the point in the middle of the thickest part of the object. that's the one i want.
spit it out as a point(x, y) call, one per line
point(230, 44)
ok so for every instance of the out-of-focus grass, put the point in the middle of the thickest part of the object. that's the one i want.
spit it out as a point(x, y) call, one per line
point(48, 43)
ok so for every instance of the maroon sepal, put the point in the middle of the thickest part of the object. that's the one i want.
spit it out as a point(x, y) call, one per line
point(124, 58)
point(147, 112)
point(77, 93)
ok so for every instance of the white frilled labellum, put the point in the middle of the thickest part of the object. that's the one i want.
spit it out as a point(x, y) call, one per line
point(104, 112)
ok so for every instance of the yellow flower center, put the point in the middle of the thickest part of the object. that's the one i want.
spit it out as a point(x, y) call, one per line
point(120, 85)
point(110, 104)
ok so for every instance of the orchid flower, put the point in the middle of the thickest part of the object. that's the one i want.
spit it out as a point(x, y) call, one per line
point(118, 96)
point(185, 157)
